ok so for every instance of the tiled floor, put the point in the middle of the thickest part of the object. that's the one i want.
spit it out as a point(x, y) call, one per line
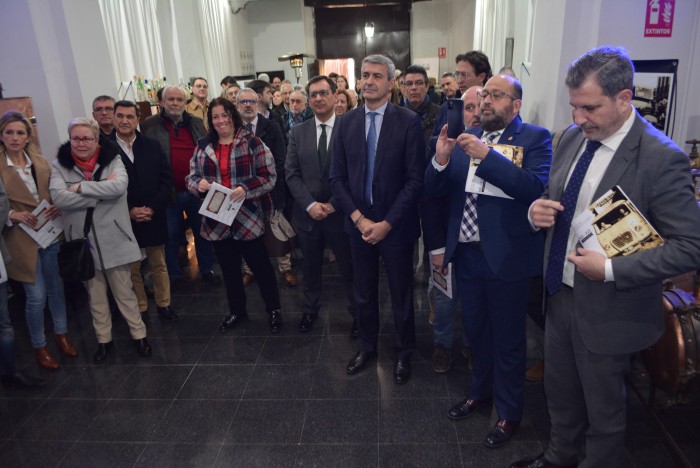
point(250, 399)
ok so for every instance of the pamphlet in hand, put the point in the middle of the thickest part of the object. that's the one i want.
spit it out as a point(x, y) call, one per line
point(219, 206)
point(443, 282)
point(46, 230)
point(613, 226)
point(479, 186)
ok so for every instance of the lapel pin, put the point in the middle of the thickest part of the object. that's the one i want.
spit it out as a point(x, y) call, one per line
point(510, 138)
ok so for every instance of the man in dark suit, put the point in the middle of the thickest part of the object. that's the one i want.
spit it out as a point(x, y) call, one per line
point(149, 192)
point(270, 133)
point(376, 176)
point(495, 253)
point(602, 310)
point(314, 216)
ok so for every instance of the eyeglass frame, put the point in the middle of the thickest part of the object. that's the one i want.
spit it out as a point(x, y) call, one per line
point(84, 140)
point(495, 95)
point(322, 92)
point(419, 83)
point(248, 102)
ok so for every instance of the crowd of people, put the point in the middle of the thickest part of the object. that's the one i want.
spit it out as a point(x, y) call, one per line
point(366, 172)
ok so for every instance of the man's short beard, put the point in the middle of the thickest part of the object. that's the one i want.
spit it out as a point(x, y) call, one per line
point(173, 117)
point(492, 122)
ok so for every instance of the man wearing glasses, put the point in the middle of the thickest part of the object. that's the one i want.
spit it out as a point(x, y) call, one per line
point(103, 113)
point(494, 250)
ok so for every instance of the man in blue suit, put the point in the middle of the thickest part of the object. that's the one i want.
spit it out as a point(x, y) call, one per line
point(494, 250)
point(376, 177)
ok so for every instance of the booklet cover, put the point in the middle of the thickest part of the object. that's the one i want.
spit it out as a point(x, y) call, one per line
point(613, 226)
point(219, 206)
point(479, 186)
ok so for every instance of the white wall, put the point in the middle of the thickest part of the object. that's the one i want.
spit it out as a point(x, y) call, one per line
point(429, 26)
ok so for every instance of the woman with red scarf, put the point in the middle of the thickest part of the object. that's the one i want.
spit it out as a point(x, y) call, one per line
point(74, 189)
point(234, 157)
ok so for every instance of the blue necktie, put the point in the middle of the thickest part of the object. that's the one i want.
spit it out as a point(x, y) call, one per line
point(371, 156)
point(249, 126)
point(322, 147)
point(560, 237)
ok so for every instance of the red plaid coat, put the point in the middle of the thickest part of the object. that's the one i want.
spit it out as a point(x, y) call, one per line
point(253, 168)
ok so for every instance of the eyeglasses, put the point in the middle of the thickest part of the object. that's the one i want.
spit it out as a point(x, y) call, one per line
point(85, 140)
point(126, 116)
point(248, 102)
point(323, 93)
point(103, 109)
point(495, 95)
point(459, 74)
point(419, 83)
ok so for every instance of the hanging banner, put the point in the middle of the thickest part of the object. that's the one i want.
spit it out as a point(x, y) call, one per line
point(659, 18)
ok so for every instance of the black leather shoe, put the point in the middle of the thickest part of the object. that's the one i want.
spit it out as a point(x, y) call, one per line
point(23, 382)
point(402, 371)
point(167, 313)
point(354, 332)
point(103, 349)
point(211, 279)
point(501, 433)
point(307, 322)
point(466, 408)
point(275, 321)
point(359, 361)
point(231, 321)
point(539, 462)
point(143, 347)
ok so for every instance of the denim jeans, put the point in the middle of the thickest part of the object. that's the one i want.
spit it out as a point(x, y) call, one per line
point(445, 315)
point(47, 284)
point(185, 201)
point(7, 336)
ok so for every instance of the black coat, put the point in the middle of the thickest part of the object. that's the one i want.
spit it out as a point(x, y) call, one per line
point(151, 185)
point(271, 134)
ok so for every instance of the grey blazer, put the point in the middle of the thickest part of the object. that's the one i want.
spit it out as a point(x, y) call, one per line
point(306, 179)
point(626, 315)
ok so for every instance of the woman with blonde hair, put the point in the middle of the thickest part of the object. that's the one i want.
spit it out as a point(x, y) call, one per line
point(25, 174)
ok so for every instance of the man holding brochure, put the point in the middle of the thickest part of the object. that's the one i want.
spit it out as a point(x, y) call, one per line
point(602, 310)
point(493, 248)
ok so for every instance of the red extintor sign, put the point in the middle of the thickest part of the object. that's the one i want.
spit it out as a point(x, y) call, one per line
point(442, 52)
point(659, 18)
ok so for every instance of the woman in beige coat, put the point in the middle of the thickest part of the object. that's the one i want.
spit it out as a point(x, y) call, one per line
point(25, 174)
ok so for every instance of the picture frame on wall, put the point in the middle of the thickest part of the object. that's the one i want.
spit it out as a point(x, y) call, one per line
point(655, 92)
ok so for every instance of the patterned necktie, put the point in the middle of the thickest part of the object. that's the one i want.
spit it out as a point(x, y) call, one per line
point(469, 225)
point(371, 156)
point(560, 237)
point(322, 147)
point(249, 126)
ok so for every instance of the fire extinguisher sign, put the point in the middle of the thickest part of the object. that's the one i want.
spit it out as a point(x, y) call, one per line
point(659, 18)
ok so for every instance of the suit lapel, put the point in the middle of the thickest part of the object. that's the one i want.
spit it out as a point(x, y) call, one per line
point(385, 137)
point(623, 157)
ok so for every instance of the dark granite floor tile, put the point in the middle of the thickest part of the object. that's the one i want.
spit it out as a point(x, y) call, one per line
point(159, 382)
point(331, 382)
point(649, 453)
point(226, 349)
point(93, 382)
point(475, 455)
point(195, 421)
point(126, 421)
point(60, 420)
point(175, 351)
point(216, 304)
point(337, 350)
point(419, 455)
point(260, 455)
point(180, 455)
point(297, 350)
point(189, 326)
point(414, 422)
point(341, 422)
point(267, 422)
point(279, 382)
point(102, 454)
point(216, 382)
point(14, 413)
point(424, 383)
point(54, 380)
point(33, 453)
point(337, 456)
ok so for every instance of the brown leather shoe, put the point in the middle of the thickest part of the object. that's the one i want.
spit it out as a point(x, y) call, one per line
point(535, 373)
point(247, 279)
point(45, 359)
point(290, 278)
point(65, 345)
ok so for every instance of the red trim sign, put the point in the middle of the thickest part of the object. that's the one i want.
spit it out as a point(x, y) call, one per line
point(659, 18)
point(442, 52)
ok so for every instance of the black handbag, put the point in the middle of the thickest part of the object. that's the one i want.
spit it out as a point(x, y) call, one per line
point(75, 261)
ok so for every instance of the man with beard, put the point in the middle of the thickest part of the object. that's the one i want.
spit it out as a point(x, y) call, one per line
point(494, 250)
point(415, 81)
point(178, 133)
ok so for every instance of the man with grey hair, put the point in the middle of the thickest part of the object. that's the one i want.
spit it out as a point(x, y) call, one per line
point(103, 113)
point(247, 103)
point(377, 177)
point(298, 110)
point(600, 311)
point(178, 133)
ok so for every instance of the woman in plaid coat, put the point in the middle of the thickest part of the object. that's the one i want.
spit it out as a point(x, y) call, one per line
point(233, 157)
